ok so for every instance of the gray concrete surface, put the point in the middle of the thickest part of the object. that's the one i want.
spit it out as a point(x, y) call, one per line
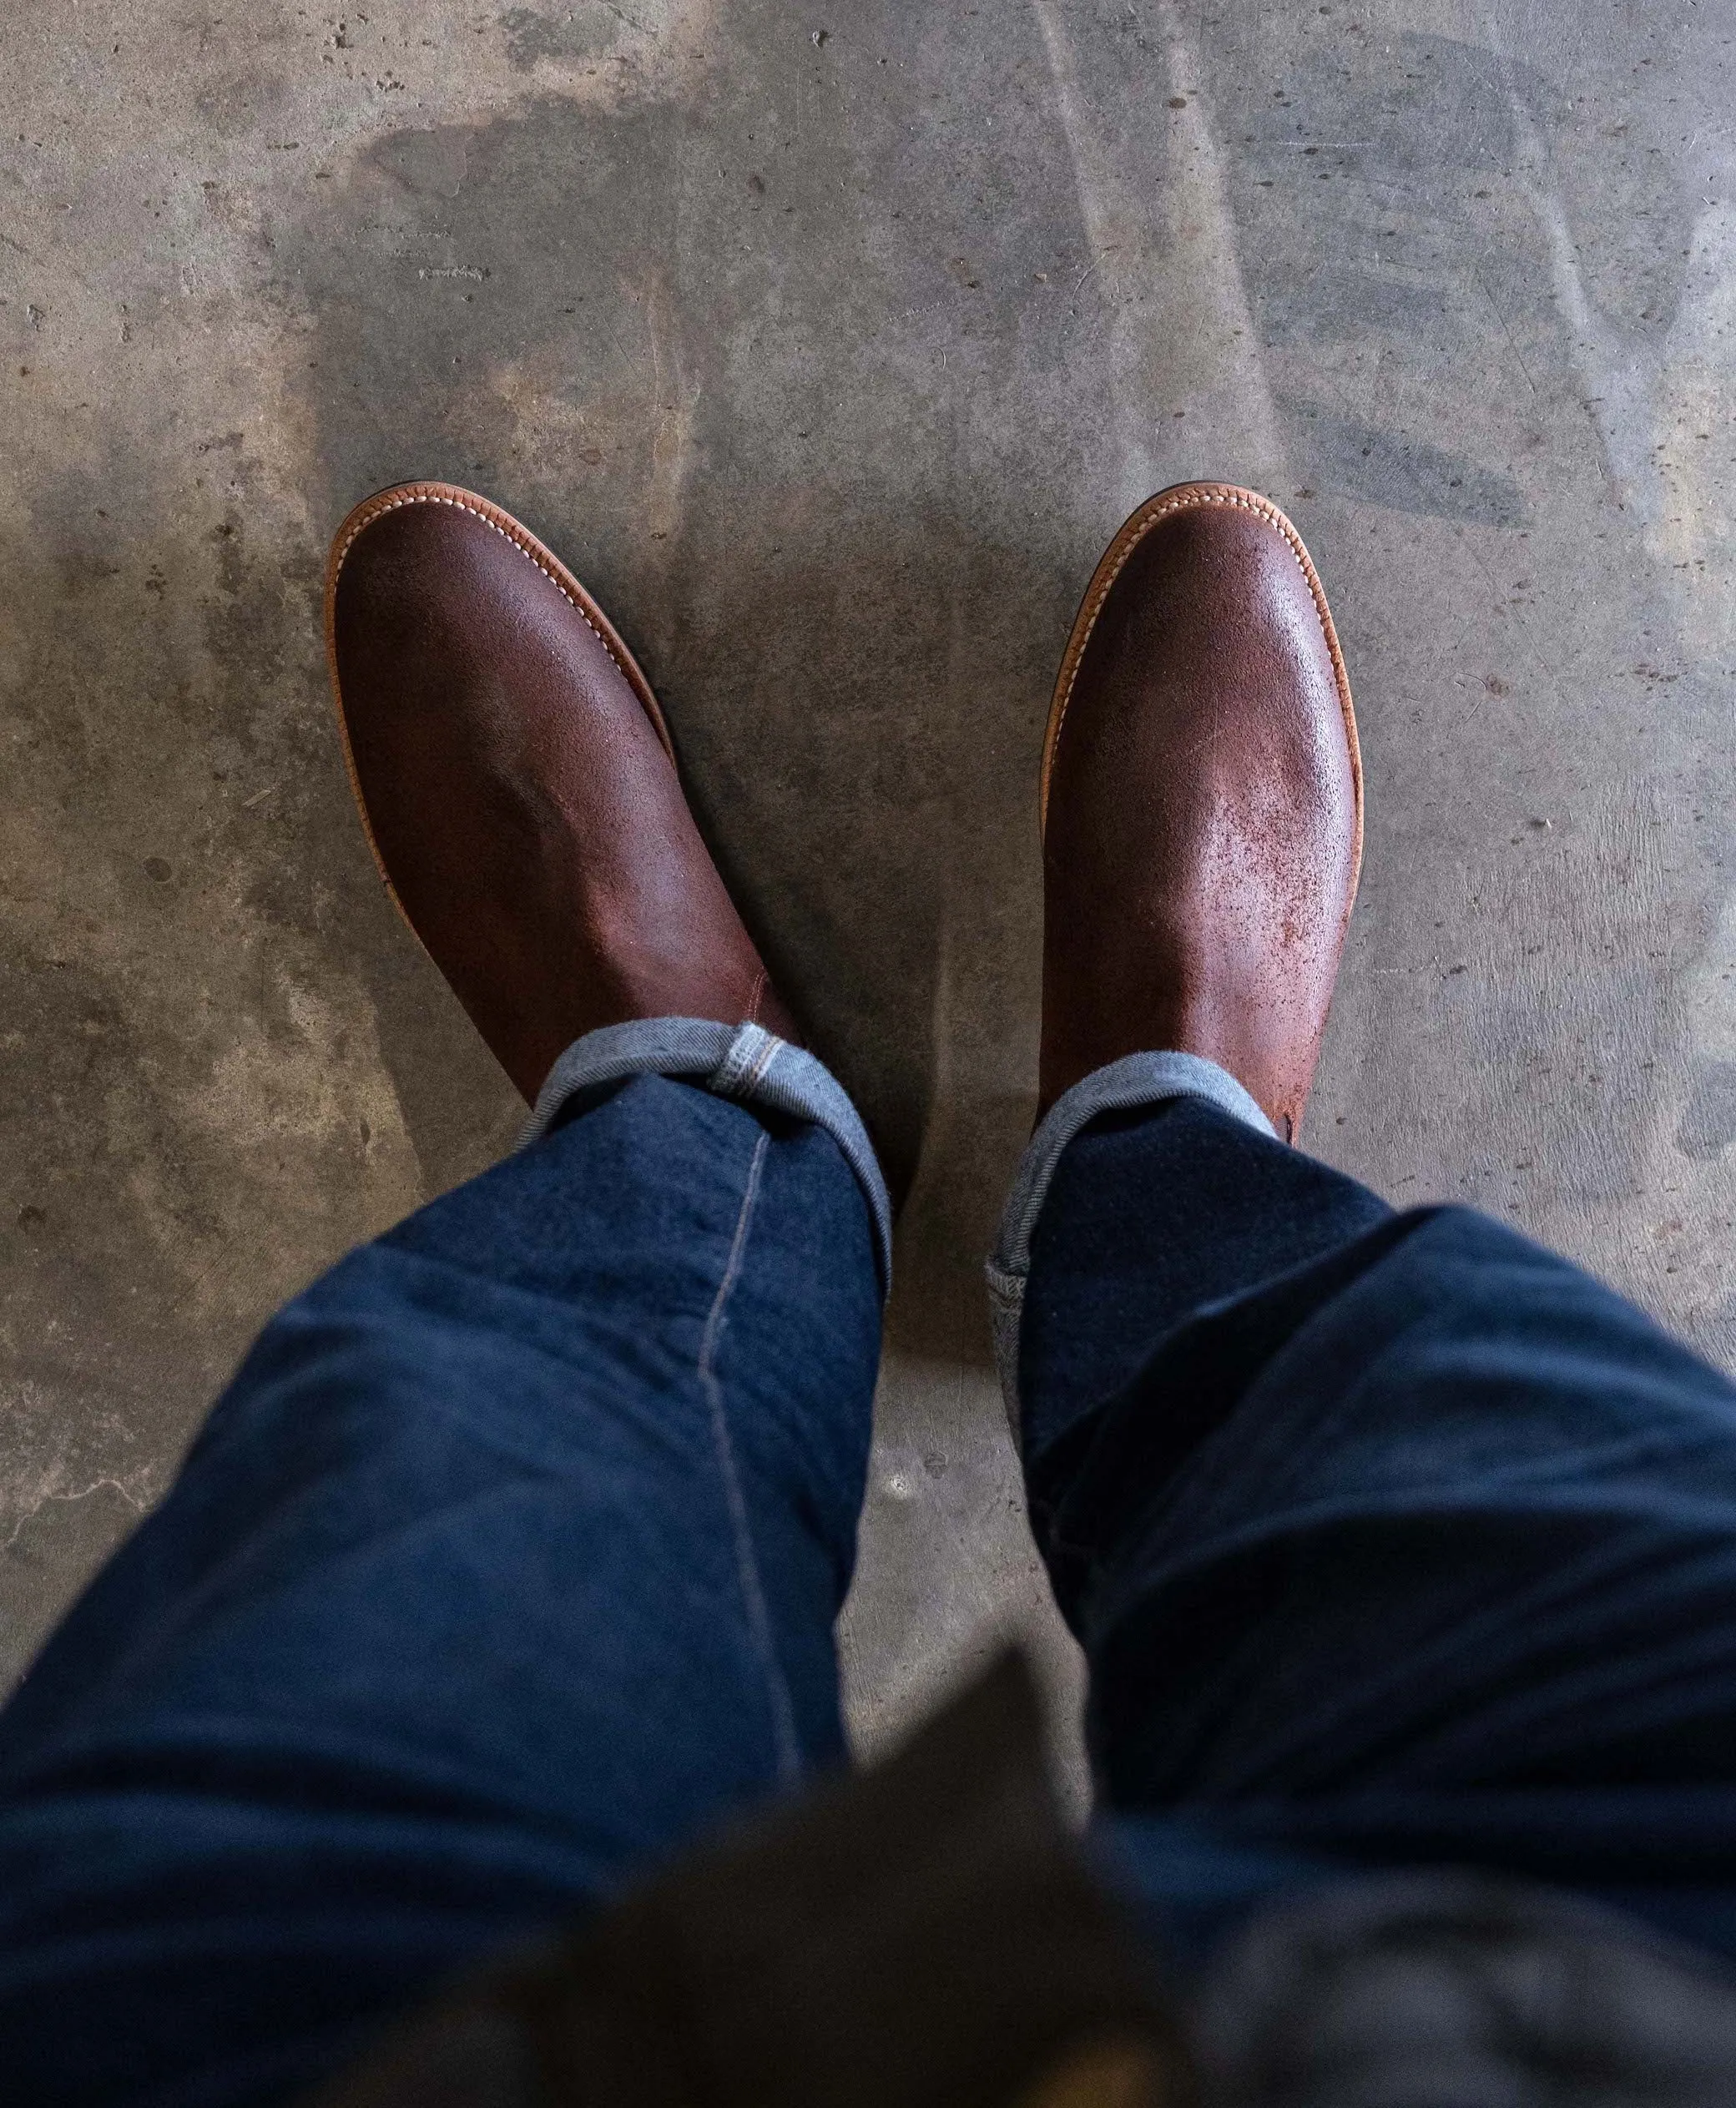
point(830, 343)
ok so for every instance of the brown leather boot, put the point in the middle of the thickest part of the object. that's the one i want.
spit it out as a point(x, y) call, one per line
point(1202, 803)
point(519, 788)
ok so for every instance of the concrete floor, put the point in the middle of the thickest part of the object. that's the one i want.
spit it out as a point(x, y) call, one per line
point(829, 344)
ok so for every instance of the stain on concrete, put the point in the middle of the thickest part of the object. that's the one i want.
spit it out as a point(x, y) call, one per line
point(559, 32)
point(1708, 1126)
point(432, 163)
point(1384, 467)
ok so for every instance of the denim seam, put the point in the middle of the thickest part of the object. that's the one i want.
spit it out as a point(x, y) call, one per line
point(747, 1562)
point(743, 1063)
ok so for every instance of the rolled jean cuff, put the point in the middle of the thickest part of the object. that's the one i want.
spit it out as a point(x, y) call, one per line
point(1123, 1086)
point(741, 1061)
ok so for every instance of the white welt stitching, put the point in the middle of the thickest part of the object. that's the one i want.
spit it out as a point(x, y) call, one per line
point(747, 1563)
point(429, 497)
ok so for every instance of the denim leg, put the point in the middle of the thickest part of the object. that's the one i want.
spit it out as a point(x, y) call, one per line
point(1152, 1212)
point(1388, 1536)
point(508, 1561)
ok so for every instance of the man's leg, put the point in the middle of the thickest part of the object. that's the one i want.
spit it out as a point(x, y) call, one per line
point(510, 1557)
point(1390, 1537)
point(1409, 1539)
point(507, 1563)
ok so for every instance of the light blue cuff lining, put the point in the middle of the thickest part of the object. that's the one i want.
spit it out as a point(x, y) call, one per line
point(745, 1062)
point(1136, 1080)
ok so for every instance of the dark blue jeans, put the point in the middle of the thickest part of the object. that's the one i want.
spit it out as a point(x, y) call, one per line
point(508, 1564)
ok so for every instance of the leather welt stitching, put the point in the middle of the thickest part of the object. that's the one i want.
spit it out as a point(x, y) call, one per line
point(428, 497)
point(1178, 505)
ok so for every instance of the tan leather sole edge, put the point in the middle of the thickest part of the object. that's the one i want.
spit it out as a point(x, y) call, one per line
point(390, 500)
point(1183, 497)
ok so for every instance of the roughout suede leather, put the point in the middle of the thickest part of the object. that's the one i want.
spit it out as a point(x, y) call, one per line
point(1202, 803)
point(517, 787)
